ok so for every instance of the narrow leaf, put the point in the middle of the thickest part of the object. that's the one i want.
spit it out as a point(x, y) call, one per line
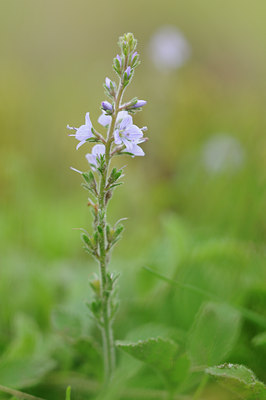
point(68, 393)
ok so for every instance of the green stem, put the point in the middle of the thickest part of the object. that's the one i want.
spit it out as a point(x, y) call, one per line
point(17, 393)
point(107, 331)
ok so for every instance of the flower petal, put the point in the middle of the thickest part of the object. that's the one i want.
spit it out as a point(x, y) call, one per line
point(80, 144)
point(87, 120)
point(134, 132)
point(122, 115)
point(127, 121)
point(117, 137)
point(83, 133)
point(137, 150)
point(104, 119)
point(91, 158)
point(98, 149)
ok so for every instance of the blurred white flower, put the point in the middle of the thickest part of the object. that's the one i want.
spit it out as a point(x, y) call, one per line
point(223, 153)
point(168, 48)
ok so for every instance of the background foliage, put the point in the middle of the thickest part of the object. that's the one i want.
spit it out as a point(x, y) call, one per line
point(203, 230)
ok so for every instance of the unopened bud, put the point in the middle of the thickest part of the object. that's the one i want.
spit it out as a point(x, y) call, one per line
point(106, 106)
point(108, 83)
point(127, 72)
point(134, 55)
point(139, 103)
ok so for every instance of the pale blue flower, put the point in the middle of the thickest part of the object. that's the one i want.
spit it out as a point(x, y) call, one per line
point(169, 49)
point(137, 150)
point(105, 120)
point(97, 150)
point(128, 134)
point(84, 132)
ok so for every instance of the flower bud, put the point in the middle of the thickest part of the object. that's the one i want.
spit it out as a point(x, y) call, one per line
point(119, 60)
point(139, 103)
point(133, 56)
point(108, 83)
point(117, 64)
point(106, 106)
point(110, 87)
point(134, 104)
point(127, 72)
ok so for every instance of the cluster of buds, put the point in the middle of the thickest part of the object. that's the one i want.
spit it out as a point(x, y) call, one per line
point(126, 136)
point(124, 65)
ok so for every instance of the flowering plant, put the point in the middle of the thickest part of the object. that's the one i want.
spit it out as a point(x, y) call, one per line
point(122, 137)
point(184, 363)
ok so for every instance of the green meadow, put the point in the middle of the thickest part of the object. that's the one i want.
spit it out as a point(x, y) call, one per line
point(192, 259)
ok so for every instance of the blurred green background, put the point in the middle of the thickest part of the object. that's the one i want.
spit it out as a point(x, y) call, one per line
point(191, 221)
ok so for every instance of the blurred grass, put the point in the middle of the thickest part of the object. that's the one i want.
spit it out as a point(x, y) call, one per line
point(54, 58)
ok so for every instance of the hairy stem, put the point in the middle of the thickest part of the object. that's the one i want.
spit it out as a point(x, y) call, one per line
point(107, 331)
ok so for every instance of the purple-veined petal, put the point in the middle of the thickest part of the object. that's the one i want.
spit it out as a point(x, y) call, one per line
point(117, 138)
point(83, 133)
point(104, 119)
point(128, 144)
point(126, 122)
point(133, 132)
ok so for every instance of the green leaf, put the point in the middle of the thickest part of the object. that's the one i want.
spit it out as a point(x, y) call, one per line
point(25, 361)
point(87, 241)
point(240, 379)
point(162, 355)
point(213, 333)
point(27, 340)
point(24, 372)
